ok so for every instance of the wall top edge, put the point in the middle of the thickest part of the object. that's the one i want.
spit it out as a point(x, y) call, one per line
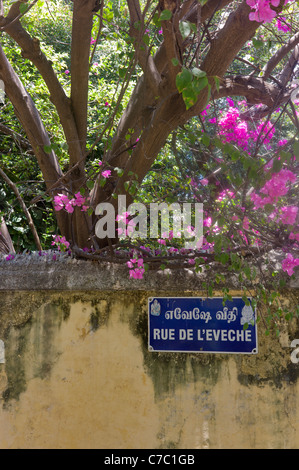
point(70, 274)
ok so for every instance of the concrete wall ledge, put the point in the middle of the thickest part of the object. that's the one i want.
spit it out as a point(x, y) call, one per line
point(34, 272)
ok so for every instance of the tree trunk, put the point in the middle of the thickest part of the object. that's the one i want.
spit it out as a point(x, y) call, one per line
point(6, 244)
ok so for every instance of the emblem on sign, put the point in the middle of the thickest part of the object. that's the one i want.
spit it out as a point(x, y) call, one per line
point(155, 308)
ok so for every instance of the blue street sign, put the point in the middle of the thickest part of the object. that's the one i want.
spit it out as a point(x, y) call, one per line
point(192, 324)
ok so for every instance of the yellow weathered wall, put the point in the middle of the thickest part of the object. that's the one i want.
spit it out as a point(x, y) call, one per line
point(78, 375)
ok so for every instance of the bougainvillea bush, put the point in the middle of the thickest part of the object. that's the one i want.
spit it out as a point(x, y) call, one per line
point(161, 101)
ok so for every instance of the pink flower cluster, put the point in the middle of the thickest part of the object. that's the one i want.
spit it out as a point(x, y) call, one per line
point(289, 263)
point(225, 194)
point(282, 25)
point(289, 215)
point(126, 222)
point(61, 201)
point(60, 242)
point(136, 268)
point(264, 132)
point(263, 12)
point(234, 130)
point(294, 236)
point(106, 173)
point(274, 188)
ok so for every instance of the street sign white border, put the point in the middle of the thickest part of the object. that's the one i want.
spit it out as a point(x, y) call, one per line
point(150, 348)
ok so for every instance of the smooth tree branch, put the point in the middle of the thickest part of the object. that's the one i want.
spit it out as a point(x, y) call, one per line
point(6, 244)
point(279, 55)
point(80, 51)
point(142, 50)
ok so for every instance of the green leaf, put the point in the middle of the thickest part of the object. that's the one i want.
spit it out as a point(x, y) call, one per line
point(165, 15)
point(156, 20)
point(175, 61)
point(198, 73)
point(146, 39)
point(223, 258)
point(185, 29)
point(122, 72)
point(90, 184)
point(296, 149)
point(257, 42)
point(23, 8)
point(119, 171)
point(199, 84)
point(217, 82)
point(193, 27)
point(277, 165)
point(205, 140)
point(183, 79)
point(189, 97)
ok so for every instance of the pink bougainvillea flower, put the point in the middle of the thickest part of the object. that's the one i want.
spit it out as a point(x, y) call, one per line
point(204, 112)
point(59, 201)
point(289, 263)
point(66, 71)
point(207, 222)
point(106, 173)
point(204, 181)
point(263, 12)
point(282, 142)
point(294, 236)
point(246, 223)
point(289, 214)
point(9, 257)
point(168, 235)
point(136, 272)
point(282, 25)
point(122, 217)
point(264, 132)
point(226, 193)
point(274, 188)
point(61, 242)
point(79, 200)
